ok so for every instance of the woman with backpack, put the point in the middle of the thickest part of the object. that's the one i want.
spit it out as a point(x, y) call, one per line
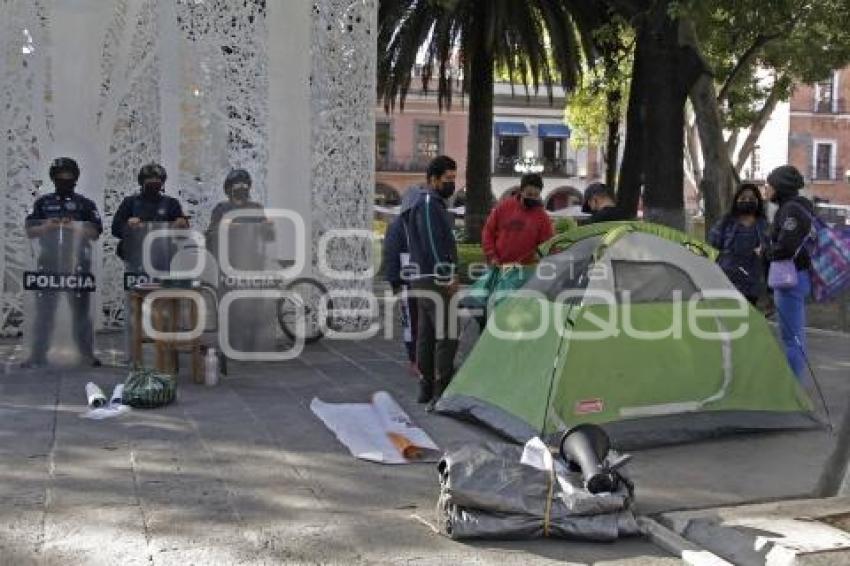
point(741, 236)
point(790, 262)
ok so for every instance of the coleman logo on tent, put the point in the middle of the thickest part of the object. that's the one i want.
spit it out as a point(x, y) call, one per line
point(40, 281)
point(588, 406)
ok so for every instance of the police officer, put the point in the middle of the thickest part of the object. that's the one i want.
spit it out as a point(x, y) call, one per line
point(52, 215)
point(237, 187)
point(246, 238)
point(148, 205)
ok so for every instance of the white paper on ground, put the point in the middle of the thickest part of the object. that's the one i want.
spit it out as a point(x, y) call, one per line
point(108, 412)
point(394, 419)
point(117, 395)
point(363, 428)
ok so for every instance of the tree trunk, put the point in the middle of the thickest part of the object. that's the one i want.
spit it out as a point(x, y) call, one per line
point(479, 160)
point(758, 126)
point(718, 179)
point(612, 145)
point(613, 100)
point(692, 144)
point(732, 142)
point(631, 169)
point(663, 72)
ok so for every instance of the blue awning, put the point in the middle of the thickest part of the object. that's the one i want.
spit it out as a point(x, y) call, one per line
point(510, 129)
point(553, 131)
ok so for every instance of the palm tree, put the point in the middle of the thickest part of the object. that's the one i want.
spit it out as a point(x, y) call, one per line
point(536, 42)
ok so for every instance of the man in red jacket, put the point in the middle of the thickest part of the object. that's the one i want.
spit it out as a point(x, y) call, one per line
point(517, 226)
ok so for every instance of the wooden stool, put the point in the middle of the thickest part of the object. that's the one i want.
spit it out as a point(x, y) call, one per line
point(165, 317)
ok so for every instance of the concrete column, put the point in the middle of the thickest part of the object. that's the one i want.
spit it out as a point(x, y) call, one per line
point(290, 150)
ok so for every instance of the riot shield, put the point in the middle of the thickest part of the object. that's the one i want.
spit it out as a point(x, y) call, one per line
point(59, 293)
point(241, 249)
point(161, 240)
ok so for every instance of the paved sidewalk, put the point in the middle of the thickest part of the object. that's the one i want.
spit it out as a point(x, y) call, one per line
point(245, 474)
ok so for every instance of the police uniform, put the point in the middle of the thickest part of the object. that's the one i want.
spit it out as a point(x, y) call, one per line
point(160, 209)
point(245, 243)
point(62, 252)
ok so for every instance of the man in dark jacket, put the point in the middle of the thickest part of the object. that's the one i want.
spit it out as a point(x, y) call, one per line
point(148, 205)
point(396, 261)
point(433, 254)
point(601, 203)
point(130, 225)
point(791, 228)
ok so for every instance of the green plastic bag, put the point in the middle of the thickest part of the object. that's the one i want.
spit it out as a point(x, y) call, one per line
point(147, 389)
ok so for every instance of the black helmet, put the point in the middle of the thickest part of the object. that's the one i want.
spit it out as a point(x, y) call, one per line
point(61, 164)
point(151, 170)
point(236, 176)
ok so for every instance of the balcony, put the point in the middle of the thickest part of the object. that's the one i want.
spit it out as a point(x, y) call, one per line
point(402, 164)
point(828, 107)
point(836, 174)
point(504, 166)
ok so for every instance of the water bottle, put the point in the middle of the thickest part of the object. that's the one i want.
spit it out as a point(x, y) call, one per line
point(211, 368)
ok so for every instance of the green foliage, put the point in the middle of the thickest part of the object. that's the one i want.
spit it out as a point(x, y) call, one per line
point(766, 45)
point(533, 42)
point(587, 115)
point(589, 108)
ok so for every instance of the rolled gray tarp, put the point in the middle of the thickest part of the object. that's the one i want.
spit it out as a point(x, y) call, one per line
point(485, 492)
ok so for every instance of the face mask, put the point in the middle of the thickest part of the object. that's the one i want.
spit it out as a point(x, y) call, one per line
point(447, 190)
point(64, 186)
point(240, 193)
point(747, 207)
point(151, 189)
point(531, 202)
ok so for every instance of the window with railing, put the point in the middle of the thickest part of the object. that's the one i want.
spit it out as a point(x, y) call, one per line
point(382, 142)
point(825, 95)
point(509, 148)
point(755, 164)
point(824, 167)
point(427, 141)
point(554, 148)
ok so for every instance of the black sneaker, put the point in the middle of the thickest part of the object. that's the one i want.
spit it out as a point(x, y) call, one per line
point(96, 363)
point(426, 391)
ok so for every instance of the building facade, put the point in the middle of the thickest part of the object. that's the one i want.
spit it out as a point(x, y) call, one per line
point(526, 129)
point(819, 137)
point(406, 141)
point(529, 129)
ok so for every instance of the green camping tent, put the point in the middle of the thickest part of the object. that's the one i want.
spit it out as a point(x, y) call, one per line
point(631, 326)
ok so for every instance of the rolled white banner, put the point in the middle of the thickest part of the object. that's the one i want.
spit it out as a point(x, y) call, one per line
point(117, 395)
point(95, 396)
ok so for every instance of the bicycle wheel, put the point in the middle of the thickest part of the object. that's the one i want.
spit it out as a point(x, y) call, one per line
point(311, 296)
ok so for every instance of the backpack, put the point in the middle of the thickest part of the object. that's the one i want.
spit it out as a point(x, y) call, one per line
point(829, 250)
